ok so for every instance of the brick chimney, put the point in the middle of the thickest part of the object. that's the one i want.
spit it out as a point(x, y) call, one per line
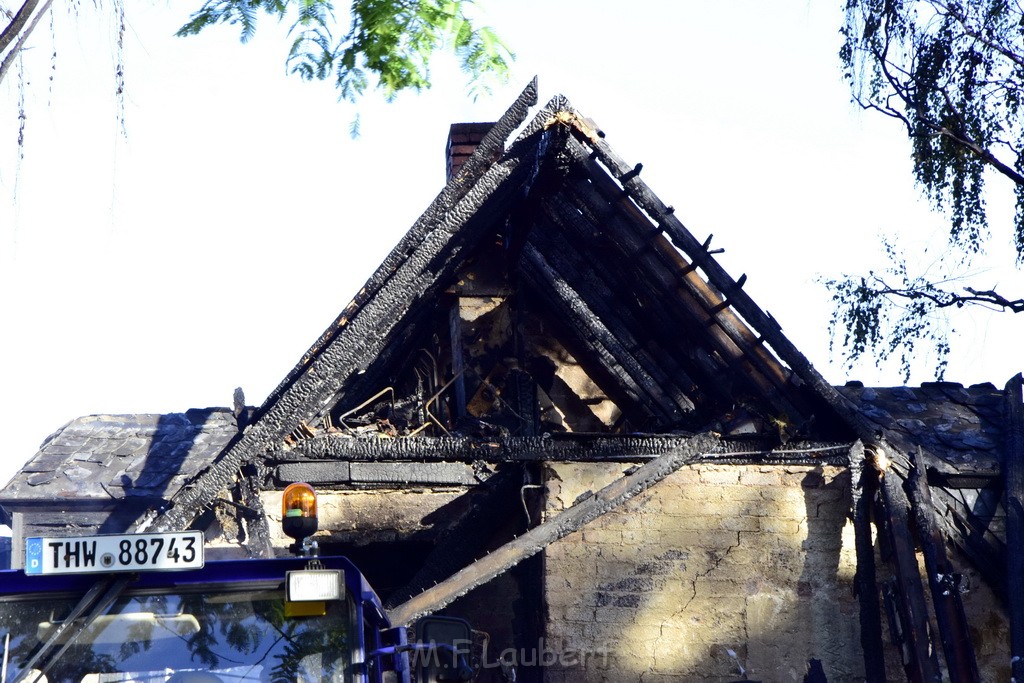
point(463, 139)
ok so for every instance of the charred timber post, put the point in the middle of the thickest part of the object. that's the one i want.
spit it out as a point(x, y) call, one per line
point(257, 542)
point(863, 486)
point(458, 362)
point(949, 610)
point(923, 665)
point(559, 526)
point(1013, 475)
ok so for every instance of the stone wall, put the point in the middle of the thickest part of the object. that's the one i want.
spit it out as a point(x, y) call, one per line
point(715, 574)
point(712, 574)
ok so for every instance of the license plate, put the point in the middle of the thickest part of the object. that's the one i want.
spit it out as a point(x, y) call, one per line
point(114, 553)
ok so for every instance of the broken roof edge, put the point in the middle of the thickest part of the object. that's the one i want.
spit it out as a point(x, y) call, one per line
point(732, 292)
point(453, 190)
point(383, 300)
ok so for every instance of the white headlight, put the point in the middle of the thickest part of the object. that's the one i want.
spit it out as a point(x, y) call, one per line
point(315, 584)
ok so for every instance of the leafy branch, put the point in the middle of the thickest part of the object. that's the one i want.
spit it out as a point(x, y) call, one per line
point(388, 42)
point(889, 314)
point(952, 73)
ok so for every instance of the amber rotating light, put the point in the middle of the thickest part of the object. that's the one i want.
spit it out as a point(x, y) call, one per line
point(298, 516)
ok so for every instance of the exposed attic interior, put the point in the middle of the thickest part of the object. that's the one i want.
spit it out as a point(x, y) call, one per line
point(569, 310)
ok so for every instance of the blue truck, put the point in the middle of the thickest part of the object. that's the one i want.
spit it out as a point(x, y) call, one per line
point(148, 608)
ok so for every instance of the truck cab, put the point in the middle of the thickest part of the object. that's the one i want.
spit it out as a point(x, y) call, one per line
point(148, 608)
point(271, 621)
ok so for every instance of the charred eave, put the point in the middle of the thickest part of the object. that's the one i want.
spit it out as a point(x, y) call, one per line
point(558, 447)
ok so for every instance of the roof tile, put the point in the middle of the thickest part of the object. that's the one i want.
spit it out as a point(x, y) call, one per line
point(138, 455)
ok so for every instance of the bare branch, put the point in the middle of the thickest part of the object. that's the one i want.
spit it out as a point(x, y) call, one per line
point(5, 66)
point(17, 23)
point(946, 299)
point(978, 150)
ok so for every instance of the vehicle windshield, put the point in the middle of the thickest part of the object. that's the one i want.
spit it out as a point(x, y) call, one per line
point(207, 636)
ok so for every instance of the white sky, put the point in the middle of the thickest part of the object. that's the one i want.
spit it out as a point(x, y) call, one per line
point(211, 247)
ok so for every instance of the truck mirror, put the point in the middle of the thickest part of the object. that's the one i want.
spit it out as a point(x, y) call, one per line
point(448, 642)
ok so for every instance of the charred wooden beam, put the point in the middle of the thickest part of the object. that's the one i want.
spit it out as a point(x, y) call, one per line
point(558, 526)
point(961, 664)
point(458, 363)
point(567, 447)
point(406, 277)
point(717, 305)
point(725, 331)
point(257, 542)
point(618, 361)
point(608, 287)
point(1013, 474)
point(376, 473)
point(640, 193)
point(920, 662)
point(471, 171)
point(670, 335)
point(863, 485)
point(610, 300)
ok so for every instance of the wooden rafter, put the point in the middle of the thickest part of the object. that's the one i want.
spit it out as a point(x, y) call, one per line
point(920, 661)
point(669, 278)
point(945, 590)
point(617, 360)
point(863, 486)
point(612, 304)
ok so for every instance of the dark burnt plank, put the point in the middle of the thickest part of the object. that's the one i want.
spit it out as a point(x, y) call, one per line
point(961, 664)
point(1013, 475)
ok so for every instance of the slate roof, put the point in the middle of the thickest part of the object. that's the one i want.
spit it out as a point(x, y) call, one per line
point(961, 426)
point(133, 458)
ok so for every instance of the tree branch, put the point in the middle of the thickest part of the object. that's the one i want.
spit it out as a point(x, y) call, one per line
point(945, 299)
point(980, 37)
point(901, 91)
point(17, 23)
point(5, 66)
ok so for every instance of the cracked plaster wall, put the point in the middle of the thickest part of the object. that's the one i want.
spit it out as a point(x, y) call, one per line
point(711, 570)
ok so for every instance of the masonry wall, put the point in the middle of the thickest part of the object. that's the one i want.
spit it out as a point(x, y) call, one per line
point(712, 574)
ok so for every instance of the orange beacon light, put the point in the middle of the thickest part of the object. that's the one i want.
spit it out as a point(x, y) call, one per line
point(298, 512)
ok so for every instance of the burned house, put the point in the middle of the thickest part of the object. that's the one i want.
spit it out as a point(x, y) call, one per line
point(551, 411)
